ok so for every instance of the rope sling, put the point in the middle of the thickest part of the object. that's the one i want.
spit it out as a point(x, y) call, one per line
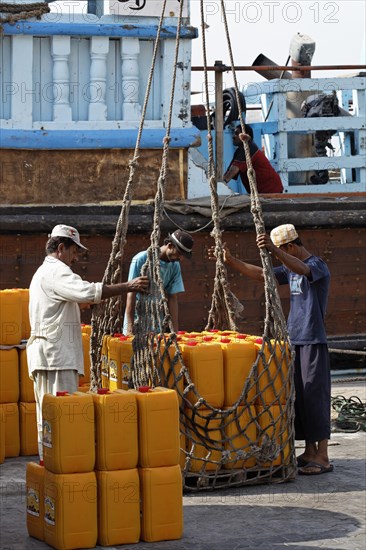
point(251, 440)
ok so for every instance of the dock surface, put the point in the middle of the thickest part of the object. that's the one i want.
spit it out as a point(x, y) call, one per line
point(326, 511)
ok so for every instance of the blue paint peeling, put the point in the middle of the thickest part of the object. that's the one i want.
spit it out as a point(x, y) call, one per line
point(96, 139)
point(138, 30)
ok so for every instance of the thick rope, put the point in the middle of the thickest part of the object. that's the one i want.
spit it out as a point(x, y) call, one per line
point(202, 422)
point(225, 307)
point(213, 457)
point(107, 315)
point(19, 12)
point(275, 322)
point(152, 310)
point(272, 368)
point(348, 415)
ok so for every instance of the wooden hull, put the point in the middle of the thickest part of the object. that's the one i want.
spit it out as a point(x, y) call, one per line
point(331, 227)
point(86, 176)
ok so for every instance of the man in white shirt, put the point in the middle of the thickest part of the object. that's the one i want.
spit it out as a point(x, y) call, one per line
point(54, 349)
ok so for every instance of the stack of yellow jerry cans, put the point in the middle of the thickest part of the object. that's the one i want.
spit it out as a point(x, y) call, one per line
point(116, 467)
point(159, 469)
point(111, 474)
point(204, 361)
point(272, 397)
point(116, 357)
point(240, 429)
point(9, 397)
point(65, 488)
point(220, 364)
point(18, 421)
point(18, 427)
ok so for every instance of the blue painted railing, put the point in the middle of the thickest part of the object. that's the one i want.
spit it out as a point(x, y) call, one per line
point(80, 83)
point(97, 139)
point(112, 30)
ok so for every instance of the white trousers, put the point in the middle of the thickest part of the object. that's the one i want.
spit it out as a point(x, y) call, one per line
point(51, 381)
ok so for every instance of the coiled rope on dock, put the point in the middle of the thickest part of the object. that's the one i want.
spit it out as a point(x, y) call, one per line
point(351, 414)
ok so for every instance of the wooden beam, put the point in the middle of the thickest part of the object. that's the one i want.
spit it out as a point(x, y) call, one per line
point(101, 219)
point(219, 123)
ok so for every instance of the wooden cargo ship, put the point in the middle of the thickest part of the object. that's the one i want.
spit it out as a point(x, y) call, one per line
point(65, 155)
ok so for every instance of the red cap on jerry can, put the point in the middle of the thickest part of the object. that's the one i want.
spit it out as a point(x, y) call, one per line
point(102, 391)
point(144, 389)
point(61, 393)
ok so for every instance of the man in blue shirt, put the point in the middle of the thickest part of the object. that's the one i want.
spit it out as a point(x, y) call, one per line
point(308, 278)
point(177, 245)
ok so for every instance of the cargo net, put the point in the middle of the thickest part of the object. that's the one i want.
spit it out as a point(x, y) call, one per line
point(233, 432)
point(235, 391)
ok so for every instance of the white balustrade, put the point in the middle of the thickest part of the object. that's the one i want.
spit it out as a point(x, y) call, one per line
point(60, 51)
point(68, 81)
point(21, 86)
point(130, 49)
point(179, 113)
point(99, 48)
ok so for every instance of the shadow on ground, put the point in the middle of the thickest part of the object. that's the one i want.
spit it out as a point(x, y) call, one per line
point(294, 514)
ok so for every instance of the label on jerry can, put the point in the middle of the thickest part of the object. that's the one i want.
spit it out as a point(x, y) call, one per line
point(49, 510)
point(47, 434)
point(33, 502)
point(113, 371)
point(126, 375)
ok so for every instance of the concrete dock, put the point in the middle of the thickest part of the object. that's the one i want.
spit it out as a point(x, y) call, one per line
point(325, 511)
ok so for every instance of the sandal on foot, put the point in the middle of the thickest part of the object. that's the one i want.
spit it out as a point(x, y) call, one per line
point(321, 469)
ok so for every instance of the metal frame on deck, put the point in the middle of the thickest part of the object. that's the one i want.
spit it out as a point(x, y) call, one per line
point(273, 98)
point(276, 129)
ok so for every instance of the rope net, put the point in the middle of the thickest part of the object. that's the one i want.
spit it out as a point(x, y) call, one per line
point(235, 391)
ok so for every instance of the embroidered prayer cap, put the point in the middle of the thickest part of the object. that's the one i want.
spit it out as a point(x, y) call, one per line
point(69, 232)
point(183, 241)
point(283, 234)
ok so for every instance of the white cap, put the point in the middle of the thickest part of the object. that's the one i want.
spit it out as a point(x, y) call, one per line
point(283, 234)
point(69, 232)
